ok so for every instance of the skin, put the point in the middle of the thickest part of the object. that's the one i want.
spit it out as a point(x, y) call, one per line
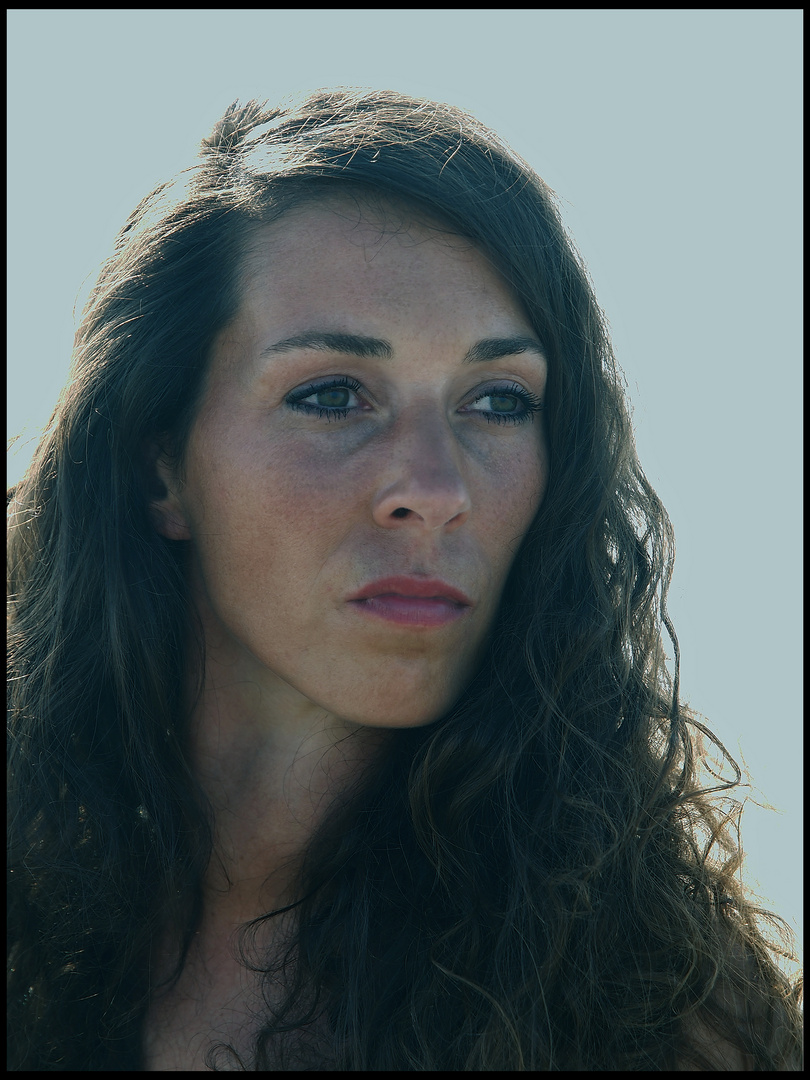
point(289, 513)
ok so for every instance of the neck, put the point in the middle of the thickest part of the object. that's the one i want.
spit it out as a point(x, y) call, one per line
point(271, 765)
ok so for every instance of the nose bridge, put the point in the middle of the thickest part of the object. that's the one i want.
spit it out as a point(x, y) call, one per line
point(426, 475)
point(430, 443)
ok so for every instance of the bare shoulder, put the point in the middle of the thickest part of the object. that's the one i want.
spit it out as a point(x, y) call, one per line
point(719, 1053)
point(750, 1035)
point(734, 998)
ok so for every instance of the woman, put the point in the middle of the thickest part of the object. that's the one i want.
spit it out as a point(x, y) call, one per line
point(342, 733)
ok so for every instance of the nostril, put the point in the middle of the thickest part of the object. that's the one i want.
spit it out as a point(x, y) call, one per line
point(400, 512)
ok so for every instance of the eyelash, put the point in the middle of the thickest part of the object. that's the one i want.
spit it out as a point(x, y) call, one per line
point(297, 400)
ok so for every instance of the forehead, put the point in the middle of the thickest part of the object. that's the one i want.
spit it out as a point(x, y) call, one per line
point(364, 219)
point(343, 256)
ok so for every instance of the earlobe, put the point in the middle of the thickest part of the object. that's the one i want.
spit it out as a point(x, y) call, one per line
point(169, 520)
point(165, 504)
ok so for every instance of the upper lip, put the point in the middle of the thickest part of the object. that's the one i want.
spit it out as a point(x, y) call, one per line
point(412, 586)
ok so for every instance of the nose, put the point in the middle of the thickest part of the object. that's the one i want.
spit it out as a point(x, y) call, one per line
point(423, 484)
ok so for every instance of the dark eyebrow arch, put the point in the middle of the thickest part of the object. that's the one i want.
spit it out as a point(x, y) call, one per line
point(354, 344)
point(362, 345)
point(495, 348)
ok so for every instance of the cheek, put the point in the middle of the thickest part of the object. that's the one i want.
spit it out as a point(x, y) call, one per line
point(260, 505)
point(510, 495)
point(306, 500)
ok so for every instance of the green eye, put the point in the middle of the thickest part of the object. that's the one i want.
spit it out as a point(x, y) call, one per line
point(506, 405)
point(332, 400)
point(335, 397)
point(503, 403)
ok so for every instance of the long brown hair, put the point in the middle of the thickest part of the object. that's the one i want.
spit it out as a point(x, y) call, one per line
point(541, 879)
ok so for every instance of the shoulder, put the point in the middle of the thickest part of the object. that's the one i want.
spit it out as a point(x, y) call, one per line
point(708, 1042)
point(705, 1050)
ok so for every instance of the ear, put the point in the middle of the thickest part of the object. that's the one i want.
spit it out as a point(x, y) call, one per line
point(165, 494)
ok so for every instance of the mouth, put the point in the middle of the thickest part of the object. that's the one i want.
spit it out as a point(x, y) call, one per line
point(411, 601)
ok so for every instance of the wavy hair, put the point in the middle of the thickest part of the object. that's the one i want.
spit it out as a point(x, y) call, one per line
point(543, 878)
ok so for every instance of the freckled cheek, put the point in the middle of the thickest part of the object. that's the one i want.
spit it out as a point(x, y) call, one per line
point(270, 501)
point(314, 482)
point(513, 492)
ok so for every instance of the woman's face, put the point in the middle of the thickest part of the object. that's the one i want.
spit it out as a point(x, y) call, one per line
point(370, 414)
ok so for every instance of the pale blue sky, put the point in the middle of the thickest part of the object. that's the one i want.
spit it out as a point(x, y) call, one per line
point(673, 139)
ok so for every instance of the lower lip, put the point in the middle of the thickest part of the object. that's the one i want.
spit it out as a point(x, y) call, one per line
point(411, 610)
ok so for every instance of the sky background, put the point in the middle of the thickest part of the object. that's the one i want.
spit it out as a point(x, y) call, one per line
point(673, 141)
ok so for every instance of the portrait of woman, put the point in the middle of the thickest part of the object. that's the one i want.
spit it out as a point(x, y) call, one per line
point(342, 732)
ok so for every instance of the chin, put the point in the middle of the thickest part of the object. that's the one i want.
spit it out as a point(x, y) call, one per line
point(400, 707)
point(400, 718)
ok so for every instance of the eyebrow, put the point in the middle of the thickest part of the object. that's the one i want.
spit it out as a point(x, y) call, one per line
point(362, 345)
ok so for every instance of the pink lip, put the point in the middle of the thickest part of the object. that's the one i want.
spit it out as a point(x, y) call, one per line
point(411, 601)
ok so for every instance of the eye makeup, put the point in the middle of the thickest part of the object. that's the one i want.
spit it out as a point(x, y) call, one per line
point(509, 403)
